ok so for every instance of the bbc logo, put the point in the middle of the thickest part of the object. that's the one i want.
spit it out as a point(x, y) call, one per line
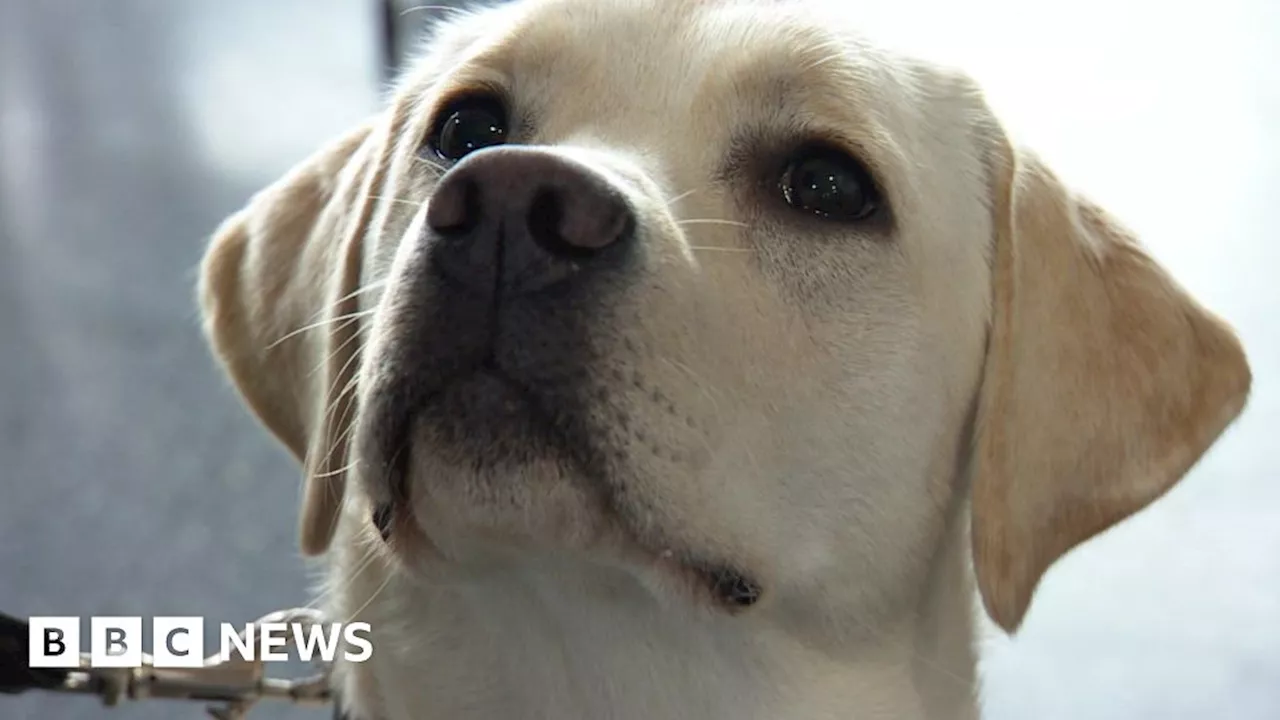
point(116, 642)
point(178, 642)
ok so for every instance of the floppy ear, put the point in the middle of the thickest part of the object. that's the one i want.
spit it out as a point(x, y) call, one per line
point(1104, 383)
point(276, 290)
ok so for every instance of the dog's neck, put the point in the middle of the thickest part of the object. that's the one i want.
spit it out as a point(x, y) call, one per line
point(552, 642)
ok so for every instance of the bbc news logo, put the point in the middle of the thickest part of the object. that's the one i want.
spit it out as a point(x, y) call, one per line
point(178, 642)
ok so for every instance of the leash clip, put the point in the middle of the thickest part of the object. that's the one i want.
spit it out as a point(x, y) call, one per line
point(236, 684)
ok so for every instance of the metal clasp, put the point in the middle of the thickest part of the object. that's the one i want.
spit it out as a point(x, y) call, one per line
point(233, 686)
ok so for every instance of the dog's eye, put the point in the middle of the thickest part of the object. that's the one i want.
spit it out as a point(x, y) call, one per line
point(829, 183)
point(468, 124)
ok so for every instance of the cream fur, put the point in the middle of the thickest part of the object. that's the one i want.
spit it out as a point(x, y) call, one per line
point(860, 417)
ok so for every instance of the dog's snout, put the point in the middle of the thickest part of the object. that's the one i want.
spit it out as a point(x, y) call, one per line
point(523, 218)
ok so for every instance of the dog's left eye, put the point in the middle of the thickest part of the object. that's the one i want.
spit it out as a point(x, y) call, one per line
point(467, 125)
point(829, 183)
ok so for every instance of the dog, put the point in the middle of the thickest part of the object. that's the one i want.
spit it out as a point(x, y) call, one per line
point(697, 359)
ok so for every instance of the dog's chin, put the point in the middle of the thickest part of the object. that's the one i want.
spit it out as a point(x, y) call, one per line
point(488, 472)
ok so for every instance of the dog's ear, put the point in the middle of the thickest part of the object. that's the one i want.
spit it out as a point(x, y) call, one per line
point(277, 290)
point(1104, 382)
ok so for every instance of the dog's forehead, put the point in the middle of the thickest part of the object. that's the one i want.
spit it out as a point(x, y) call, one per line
point(650, 60)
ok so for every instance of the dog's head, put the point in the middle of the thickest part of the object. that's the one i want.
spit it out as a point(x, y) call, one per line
point(710, 291)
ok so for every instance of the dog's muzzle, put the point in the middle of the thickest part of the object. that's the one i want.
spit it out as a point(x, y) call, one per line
point(520, 248)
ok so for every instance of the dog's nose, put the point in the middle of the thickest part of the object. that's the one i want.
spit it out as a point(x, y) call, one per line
point(523, 218)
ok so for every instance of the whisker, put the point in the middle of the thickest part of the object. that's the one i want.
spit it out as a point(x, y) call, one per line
point(354, 336)
point(370, 552)
point(350, 386)
point(421, 8)
point(373, 549)
point(373, 285)
point(337, 517)
point(333, 404)
point(333, 446)
point(431, 163)
point(333, 407)
point(711, 221)
point(339, 471)
point(373, 596)
point(680, 197)
point(322, 323)
point(713, 248)
point(348, 427)
point(402, 201)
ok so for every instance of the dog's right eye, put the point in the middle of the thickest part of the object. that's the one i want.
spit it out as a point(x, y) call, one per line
point(829, 183)
point(468, 124)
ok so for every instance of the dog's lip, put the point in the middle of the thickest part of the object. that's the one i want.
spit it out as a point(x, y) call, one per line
point(731, 588)
point(389, 423)
point(722, 585)
point(383, 517)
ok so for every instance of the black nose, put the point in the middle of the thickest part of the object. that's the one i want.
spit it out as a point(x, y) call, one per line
point(523, 218)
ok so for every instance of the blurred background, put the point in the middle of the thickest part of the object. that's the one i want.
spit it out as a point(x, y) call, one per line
point(133, 482)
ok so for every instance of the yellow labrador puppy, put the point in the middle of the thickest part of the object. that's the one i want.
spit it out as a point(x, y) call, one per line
point(697, 359)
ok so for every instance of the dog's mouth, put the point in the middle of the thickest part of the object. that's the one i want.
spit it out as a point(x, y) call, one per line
point(480, 415)
point(725, 587)
point(494, 418)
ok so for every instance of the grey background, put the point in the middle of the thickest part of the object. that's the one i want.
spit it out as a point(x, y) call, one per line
point(132, 481)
